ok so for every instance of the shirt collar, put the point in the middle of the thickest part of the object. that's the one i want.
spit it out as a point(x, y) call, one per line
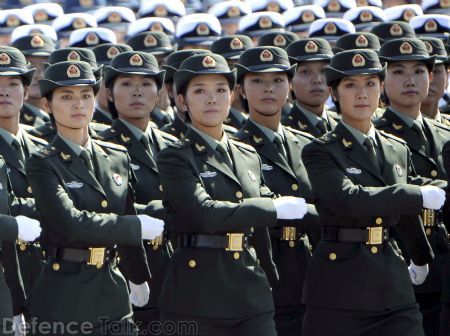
point(270, 134)
point(406, 118)
point(437, 117)
point(9, 137)
point(313, 118)
point(210, 141)
point(76, 148)
point(136, 131)
point(104, 112)
point(360, 136)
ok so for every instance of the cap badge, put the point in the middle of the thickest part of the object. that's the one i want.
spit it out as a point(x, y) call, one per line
point(361, 3)
point(5, 59)
point(307, 16)
point(79, 23)
point(366, 16)
point(396, 30)
point(87, 3)
point(156, 27)
point(114, 18)
point(161, 11)
point(265, 22)
point(406, 48)
point(358, 61)
point(330, 28)
point(150, 41)
point(92, 39)
point(428, 46)
point(208, 62)
point(112, 52)
point(73, 71)
point(273, 7)
point(37, 42)
point(334, 6)
point(279, 41)
point(12, 21)
point(40, 16)
point(136, 60)
point(73, 56)
point(362, 41)
point(408, 14)
point(266, 56)
point(311, 47)
point(445, 3)
point(202, 29)
point(431, 26)
point(233, 11)
point(236, 44)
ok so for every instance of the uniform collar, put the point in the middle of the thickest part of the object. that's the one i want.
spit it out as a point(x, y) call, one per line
point(76, 148)
point(9, 137)
point(136, 131)
point(210, 141)
point(313, 118)
point(437, 117)
point(360, 136)
point(270, 134)
point(406, 118)
point(104, 112)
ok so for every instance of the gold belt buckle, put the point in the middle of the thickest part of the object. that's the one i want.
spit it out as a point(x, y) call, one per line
point(375, 236)
point(289, 233)
point(97, 256)
point(428, 217)
point(157, 242)
point(235, 242)
point(22, 244)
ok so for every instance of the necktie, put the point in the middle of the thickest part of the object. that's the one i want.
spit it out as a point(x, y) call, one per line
point(322, 126)
point(18, 150)
point(372, 151)
point(279, 142)
point(145, 139)
point(418, 128)
point(85, 155)
point(225, 156)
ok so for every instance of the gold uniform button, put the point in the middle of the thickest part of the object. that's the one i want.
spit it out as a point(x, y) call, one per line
point(29, 190)
point(104, 203)
point(378, 221)
point(192, 263)
point(291, 243)
point(332, 256)
point(294, 187)
point(155, 247)
point(434, 173)
point(238, 194)
point(236, 255)
point(428, 232)
point(374, 249)
point(22, 247)
point(99, 265)
point(56, 266)
point(160, 188)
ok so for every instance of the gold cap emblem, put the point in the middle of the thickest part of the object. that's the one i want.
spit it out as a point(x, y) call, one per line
point(362, 41)
point(266, 56)
point(92, 39)
point(112, 52)
point(265, 22)
point(279, 41)
point(366, 16)
point(311, 47)
point(236, 44)
point(233, 11)
point(396, 30)
point(202, 29)
point(73, 71)
point(161, 11)
point(156, 27)
point(79, 23)
point(358, 61)
point(208, 62)
point(445, 3)
point(361, 3)
point(87, 3)
point(334, 6)
point(136, 60)
point(307, 16)
point(73, 56)
point(150, 41)
point(330, 28)
point(114, 18)
point(429, 47)
point(273, 7)
point(40, 16)
point(431, 26)
point(12, 21)
point(37, 42)
point(406, 48)
point(5, 59)
point(408, 14)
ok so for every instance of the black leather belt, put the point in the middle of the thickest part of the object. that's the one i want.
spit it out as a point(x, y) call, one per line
point(369, 235)
point(94, 256)
point(286, 233)
point(229, 242)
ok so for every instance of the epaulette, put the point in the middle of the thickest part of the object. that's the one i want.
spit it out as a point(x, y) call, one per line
point(98, 127)
point(181, 143)
point(110, 145)
point(167, 136)
point(107, 134)
point(393, 137)
point(243, 145)
point(380, 122)
point(439, 125)
point(37, 140)
point(334, 115)
point(44, 130)
point(326, 138)
point(243, 133)
point(300, 133)
point(229, 129)
point(45, 152)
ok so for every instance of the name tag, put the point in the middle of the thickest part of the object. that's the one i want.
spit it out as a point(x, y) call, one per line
point(74, 185)
point(135, 166)
point(208, 174)
point(354, 171)
point(266, 167)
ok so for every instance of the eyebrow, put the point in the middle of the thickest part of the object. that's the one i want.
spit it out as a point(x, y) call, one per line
point(349, 79)
point(203, 84)
point(403, 66)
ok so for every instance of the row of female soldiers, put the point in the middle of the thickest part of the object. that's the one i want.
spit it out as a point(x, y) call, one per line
point(268, 231)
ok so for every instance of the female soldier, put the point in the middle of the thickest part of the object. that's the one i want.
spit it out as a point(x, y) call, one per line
point(82, 189)
point(264, 75)
point(216, 200)
point(133, 81)
point(356, 283)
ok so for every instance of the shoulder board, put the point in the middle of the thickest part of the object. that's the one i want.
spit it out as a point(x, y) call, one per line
point(229, 129)
point(299, 133)
point(439, 125)
point(26, 127)
point(393, 137)
point(240, 135)
point(43, 130)
point(166, 136)
point(110, 145)
point(37, 140)
point(181, 143)
point(445, 116)
point(45, 152)
point(107, 134)
point(326, 138)
point(381, 121)
point(243, 145)
point(98, 127)
point(334, 115)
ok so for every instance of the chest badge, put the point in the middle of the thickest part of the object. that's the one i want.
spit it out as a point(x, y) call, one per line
point(354, 171)
point(266, 167)
point(135, 166)
point(208, 174)
point(117, 179)
point(74, 185)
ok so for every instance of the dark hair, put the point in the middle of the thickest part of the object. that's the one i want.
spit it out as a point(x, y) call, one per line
point(111, 104)
point(334, 85)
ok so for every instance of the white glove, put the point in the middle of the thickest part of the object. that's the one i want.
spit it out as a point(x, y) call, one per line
point(19, 325)
point(29, 229)
point(289, 207)
point(151, 227)
point(418, 274)
point(433, 197)
point(139, 294)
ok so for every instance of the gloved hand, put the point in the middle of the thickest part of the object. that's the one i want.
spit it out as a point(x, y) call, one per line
point(418, 274)
point(139, 294)
point(289, 207)
point(433, 197)
point(151, 227)
point(29, 229)
point(19, 325)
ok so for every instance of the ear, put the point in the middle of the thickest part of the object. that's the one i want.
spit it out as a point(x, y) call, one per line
point(231, 97)
point(181, 102)
point(109, 95)
point(169, 90)
point(46, 105)
point(333, 95)
point(431, 76)
point(26, 90)
point(240, 89)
